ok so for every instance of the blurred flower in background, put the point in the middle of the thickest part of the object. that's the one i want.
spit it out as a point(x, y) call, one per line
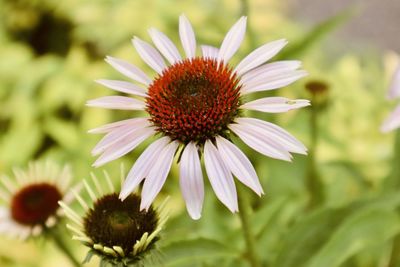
point(393, 120)
point(31, 199)
point(116, 231)
point(198, 102)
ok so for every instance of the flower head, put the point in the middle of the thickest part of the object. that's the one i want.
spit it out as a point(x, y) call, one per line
point(197, 103)
point(32, 199)
point(393, 120)
point(116, 231)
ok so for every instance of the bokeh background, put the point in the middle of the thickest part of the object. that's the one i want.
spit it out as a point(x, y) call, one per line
point(335, 207)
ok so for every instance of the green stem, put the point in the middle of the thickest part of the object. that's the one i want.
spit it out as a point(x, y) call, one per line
point(244, 213)
point(395, 184)
point(393, 181)
point(59, 242)
point(313, 179)
point(245, 11)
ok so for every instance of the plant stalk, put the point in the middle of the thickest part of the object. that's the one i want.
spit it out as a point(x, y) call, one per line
point(244, 214)
point(395, 184)
point(313, 179)
point(59, 242)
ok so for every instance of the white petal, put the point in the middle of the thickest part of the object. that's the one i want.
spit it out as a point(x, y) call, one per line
point(275, 133)
point(269, 70)
point(394, 89)
point(112, 126)
point(118, 134)
point(239, 164)
point(142, 166)
point(191, 181)
point(165, 46)
point(129, 70)
point(187, 36)
point(149, 55)
point(259, 143)
point(123, 87)
point(124, 146)
point(275, 104)
point(260, 56)
point(392, 122)
point(209, 51)
point(157, 175)
point(220, 178)
point(232, 40)
point(273, 82)
point(117, 102)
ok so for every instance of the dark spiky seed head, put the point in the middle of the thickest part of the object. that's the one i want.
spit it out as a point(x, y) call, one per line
point(194, 100)
point(112, 222)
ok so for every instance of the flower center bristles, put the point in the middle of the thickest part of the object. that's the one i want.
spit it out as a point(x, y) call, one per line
point(112, 222)
point(194, 100)
point(35, 203)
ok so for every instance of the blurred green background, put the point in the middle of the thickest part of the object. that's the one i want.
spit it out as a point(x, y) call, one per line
point(335, 207)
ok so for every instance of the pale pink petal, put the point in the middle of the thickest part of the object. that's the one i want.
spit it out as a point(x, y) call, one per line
point(392, 122)
point(129, 70)
point(273, 82)
point(394, 88)
point(209, 51)
point(124, 146)
point(149, 55)
point(239, 164)
point(118, 134)
point(220, 178)
point(142, 166)
point(157, 175)
point(275, 133)
point(270, 70)
point(260, 56)
point(112, 126)
point(187, 36)
point(259, 143)
point(232, 40)
point(191, 180)
point(275, 104)
point(165, 46)
point(123, 87)
point(117, 102)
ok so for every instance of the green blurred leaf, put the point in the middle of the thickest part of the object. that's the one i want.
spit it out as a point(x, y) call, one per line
point(316, 34)
point(305, 239)
point(188, 252)
point(364, 229)
point(307, 236)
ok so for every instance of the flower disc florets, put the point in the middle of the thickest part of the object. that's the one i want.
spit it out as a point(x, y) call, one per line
point(112, 222)
point(194, 100)
point(34, 203)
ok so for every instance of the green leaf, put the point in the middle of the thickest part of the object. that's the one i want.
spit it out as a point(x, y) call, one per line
point(308, 235)
point(317, 34)
point(185, 252)
point(364, 229)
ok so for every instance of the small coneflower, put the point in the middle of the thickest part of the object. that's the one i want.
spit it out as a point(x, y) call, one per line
point(197, 103)
point(116, 231)
point(31, 199)
point(393, 121)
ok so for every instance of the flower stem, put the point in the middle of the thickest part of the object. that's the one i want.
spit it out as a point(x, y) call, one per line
point(244, 213)
point(245, 11)
point(59, 242)
point(395, 184)
point(313, 181)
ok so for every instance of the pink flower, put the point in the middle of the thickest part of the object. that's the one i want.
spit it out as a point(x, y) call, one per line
point(196, 103)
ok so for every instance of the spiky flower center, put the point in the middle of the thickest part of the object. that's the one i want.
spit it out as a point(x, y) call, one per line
point(112, 222)
point(194, 100)
point(35, 203)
